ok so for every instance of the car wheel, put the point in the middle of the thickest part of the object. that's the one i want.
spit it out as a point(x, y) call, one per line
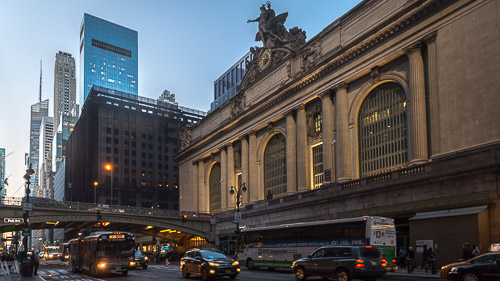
point(470, 276)
point(204, 274)
point(185, 272)
point(125, 272)
point(233, 276)
point(342, 275)
point(250, 264)
point(300, 273)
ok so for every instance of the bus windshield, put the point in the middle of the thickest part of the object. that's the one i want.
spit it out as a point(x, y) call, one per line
point(115, 248)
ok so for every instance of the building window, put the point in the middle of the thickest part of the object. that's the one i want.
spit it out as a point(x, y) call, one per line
point(318, 123)
point(214, 185)
point(317, 161)
point(383, 139)
point(275, 166)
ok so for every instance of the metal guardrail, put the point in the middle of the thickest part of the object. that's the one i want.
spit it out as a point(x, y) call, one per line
point(83, 206)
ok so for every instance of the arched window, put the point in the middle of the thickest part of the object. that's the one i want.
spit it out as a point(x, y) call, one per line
point(383, 139)
point(214, 183)
point(275, 166)
point(318, 123)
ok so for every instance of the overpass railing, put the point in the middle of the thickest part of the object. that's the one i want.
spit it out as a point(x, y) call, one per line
point(39, 202)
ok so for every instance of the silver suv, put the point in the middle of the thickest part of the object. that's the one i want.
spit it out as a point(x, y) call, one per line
point(341, 262)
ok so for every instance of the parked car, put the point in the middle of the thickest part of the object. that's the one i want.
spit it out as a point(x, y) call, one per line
point(140, 260)
point(484, 258)
point(341, 262)
point(208, 264)
point(489, 270)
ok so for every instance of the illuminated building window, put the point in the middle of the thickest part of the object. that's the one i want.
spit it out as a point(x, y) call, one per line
point(317, 157)
point(318, 123)
point(275, 166)
point(214, 184)
point(383, 139)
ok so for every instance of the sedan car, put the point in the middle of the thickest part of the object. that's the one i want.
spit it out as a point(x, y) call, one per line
point(484, 258)
point(140, 260)
point(341, 262)
point(477, 271)
point(208, 264)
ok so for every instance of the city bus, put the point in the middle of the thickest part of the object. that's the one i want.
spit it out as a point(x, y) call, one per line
point(64, 251)
point(51, 252)
point(278, 246)
point(101, 252)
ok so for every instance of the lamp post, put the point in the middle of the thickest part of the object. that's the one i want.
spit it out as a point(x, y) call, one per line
point(238, 192)
point(27, 177)
point(95, 191)
point(109, 167)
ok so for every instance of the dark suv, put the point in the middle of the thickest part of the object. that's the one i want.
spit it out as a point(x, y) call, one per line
point(208, 264)
point(341, 262)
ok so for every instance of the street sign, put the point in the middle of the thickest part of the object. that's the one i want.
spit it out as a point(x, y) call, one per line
point(27, 206)
point(237, 217)
point(13, 220)
point(26, 232)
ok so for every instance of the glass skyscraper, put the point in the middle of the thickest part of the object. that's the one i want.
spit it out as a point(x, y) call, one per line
point(108, 57)
point(38, 111)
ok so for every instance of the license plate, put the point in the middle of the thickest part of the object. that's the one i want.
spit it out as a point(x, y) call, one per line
point(228, 271)
point(118, 268)
point(373, 262)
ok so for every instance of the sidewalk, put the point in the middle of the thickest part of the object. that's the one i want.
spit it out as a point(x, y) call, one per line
point(416, 273)
point(17, 277)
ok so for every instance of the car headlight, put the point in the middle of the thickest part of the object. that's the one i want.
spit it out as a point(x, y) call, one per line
point(132, 263)
point(102, 265)
point(444, 267)
point(236, 263)
point(145, 258)
point(213, 263)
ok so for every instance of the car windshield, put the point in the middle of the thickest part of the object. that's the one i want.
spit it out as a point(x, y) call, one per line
point(485, 259)
point(369, 252)
point(116, 248)
point(138, 253)
point(213, 255)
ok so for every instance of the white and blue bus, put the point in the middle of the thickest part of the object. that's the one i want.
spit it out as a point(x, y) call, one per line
point(278, 246)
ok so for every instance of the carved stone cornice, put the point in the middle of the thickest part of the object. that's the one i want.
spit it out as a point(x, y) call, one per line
point(311, 56)
point(430, 38)
point(417, 46)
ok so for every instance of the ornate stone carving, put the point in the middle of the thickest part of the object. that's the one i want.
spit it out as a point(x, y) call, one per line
point(375, 73)
point(413, 48)
point(312, 134)
point(237, 105)
point(185, 136)
point(311, 56)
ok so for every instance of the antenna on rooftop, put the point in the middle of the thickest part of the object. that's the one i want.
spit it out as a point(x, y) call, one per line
point(40, 94)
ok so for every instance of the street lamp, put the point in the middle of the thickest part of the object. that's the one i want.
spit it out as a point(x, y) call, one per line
point(238, 192)
point(27, 177)
point(95, 192)
point(109, 167)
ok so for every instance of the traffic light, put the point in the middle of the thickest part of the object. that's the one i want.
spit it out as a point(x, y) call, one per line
point(99, 217)
point(184, 218)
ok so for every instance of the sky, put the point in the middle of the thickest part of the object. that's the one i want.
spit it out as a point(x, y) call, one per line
point(184, 46)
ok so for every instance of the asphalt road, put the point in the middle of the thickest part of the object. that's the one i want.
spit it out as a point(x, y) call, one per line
point(57, 270)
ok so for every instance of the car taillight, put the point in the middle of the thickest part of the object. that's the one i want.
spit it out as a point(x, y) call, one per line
point(393, 261)
point(384, 262)
point(360, 263)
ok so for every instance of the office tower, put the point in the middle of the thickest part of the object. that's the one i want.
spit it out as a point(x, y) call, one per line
point(45, 157)
point(227, 85)
point(108, 57)
point(64, 85)
point(3, 192)
point(38, 111)
point(139, 137)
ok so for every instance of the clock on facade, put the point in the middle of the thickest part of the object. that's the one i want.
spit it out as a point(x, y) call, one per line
point(265, 59)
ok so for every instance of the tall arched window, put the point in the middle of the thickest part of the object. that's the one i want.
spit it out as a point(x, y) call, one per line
point(275, 166)
point(383, 140)
point(214, 183)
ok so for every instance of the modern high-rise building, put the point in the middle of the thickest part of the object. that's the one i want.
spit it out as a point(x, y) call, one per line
point(38, 111)
point(64, 85)
point(45, 157)
point(108, 57)
point(3, 192)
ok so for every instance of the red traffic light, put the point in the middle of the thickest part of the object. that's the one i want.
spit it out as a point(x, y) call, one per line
point(184, 218)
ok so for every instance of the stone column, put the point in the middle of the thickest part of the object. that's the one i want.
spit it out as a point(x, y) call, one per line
point(244, 167)
point(230, 175)
point(253, 186)
point(430, 40)
point(291, 161)
point(223, 174)
point(328, 126)
point(303, 173)
point(196, 188)
point(203, 194)
point(343, 141)
point(417, 117)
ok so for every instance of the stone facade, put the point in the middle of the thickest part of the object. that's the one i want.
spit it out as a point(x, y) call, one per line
point(442, 54)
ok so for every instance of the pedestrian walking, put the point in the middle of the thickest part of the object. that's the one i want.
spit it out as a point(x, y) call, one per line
point(411, 258)
point(402, 257)
point(476, 251)
point(466, 251)
point(425, 257)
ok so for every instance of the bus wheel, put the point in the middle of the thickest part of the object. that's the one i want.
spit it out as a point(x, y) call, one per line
point(125, 272)
point(250, 264)
point(342, 275)
point(300, 273)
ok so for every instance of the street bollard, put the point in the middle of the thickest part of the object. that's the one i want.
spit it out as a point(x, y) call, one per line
point(433, 266)
point(410, 265)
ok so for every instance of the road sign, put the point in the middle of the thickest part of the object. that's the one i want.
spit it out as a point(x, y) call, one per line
point(237, 217)
point(27, 206)
point(26, 232)
point(13, 220)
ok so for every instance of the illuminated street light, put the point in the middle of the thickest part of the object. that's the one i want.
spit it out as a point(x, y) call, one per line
point(95, 191)
point(238, 192)
point(109, 167)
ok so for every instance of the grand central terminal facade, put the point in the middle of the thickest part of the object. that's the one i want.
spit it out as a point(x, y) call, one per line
point(391, 110)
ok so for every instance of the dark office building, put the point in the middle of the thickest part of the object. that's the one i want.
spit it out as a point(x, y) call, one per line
point(138, 137)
